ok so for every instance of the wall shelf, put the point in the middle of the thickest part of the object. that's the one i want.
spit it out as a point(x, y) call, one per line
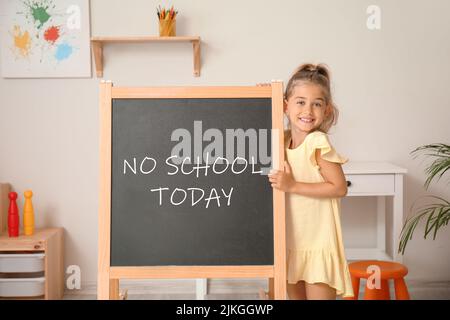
point(99, 42)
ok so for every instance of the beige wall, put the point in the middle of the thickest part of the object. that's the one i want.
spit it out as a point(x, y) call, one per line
point(391, 87)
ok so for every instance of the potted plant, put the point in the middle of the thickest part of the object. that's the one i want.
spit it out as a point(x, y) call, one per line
point(437, 211)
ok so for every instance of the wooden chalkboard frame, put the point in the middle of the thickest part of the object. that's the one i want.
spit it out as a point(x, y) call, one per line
point(109, 276)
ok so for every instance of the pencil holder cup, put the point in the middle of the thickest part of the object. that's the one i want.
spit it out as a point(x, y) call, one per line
point(167, 28)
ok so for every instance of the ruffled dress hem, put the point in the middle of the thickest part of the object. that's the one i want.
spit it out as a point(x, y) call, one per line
point(319, 266)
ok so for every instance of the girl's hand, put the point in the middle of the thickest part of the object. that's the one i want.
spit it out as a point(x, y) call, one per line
point(282, 180)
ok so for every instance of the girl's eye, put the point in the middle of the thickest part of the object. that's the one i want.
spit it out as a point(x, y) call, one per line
point(301, 102)
point(318, 104)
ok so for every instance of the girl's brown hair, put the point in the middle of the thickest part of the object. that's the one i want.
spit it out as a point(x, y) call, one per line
point(320, 75)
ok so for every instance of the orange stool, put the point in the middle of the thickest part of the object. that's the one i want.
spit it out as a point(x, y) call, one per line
point(388, 270)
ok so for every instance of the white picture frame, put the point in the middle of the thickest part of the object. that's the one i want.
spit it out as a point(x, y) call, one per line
point(45, 39)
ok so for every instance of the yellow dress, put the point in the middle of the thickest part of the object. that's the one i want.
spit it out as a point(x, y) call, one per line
point(315, 250)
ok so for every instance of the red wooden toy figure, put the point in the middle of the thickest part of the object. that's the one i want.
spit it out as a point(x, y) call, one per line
point(13, 215)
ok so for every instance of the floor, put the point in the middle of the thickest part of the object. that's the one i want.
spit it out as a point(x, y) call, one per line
point(231, 289)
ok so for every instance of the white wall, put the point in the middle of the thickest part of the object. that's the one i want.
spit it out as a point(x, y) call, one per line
point(391, 87)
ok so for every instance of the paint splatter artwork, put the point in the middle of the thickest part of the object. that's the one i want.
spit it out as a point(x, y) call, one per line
point(45, 38)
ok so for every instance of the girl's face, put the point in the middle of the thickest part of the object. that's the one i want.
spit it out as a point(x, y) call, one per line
point(306, 108)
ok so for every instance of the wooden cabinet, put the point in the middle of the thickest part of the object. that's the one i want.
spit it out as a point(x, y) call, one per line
point(46, 244)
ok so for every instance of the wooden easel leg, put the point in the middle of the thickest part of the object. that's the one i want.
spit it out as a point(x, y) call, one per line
point(114, 289)
point(103, 284)
point(279, 289)
point(271, 289)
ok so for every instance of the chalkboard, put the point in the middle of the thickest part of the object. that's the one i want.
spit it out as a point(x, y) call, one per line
point(163, 227)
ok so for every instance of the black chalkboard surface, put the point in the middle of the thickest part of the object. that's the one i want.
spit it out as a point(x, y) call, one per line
point(152, 227)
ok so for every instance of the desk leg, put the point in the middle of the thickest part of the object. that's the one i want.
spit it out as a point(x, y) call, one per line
point(381, 224)
point(397, 217)
point(201, 288)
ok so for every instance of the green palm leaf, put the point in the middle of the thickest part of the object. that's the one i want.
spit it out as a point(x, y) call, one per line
point(437, 214)
point(441, 164)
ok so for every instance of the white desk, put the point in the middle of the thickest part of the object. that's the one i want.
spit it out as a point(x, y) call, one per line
point(374, 179)
point(380, 180)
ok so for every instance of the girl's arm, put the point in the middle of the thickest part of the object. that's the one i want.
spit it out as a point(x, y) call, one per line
point(335, 185)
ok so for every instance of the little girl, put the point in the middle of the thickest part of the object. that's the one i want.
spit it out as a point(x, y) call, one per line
point(313, 181)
